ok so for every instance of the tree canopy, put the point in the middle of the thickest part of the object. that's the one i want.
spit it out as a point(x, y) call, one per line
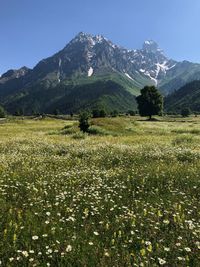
point(84, 121)
point(150, 102)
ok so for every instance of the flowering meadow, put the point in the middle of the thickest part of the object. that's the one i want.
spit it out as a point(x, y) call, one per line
point(126, 195)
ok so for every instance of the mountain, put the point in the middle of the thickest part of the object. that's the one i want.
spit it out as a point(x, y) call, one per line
point(187, 96)
point(102, 73)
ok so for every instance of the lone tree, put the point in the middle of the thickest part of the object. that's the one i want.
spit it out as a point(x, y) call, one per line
point(84, 122)
point(150, 102)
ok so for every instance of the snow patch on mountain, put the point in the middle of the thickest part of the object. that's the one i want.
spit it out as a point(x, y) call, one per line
point(60, 62)
point(162, 67)
point(172, 67)
point(127, 75)
point(90, 72)
point(152, 78)
point(59, 67)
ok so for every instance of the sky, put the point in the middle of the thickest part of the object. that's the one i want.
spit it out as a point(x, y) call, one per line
point(31, 30)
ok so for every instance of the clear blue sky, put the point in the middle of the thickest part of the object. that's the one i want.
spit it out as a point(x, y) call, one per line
point(34, 29)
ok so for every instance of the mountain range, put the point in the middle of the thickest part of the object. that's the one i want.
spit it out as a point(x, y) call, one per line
point(89, 72)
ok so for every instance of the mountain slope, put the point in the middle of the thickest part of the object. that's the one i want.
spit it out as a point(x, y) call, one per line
point(87, 61)
point(107, 92)
point(187, 96)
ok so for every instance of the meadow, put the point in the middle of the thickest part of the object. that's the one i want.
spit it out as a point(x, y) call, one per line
point(127, 194)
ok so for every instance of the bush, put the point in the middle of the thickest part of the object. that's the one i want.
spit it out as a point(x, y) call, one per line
point(84, 122)
point(98, 113)
point(69, 130)
point(79, 135)
point(185, 112)
point(95, 130)
point(114, 113)
point(56, 112)
point(131, 113)
point(2, 112)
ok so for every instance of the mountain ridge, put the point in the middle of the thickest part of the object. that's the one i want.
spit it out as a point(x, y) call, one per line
point(93, 57)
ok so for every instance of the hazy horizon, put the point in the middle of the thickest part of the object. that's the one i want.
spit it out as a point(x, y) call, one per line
point(35, 30)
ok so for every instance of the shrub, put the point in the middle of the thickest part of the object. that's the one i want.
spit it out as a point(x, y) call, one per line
point(131, 113)
point(98, 113)
point(185, 112)
point(2, 112)
point(79, 135)
point(95, 130)
point(84, 122)
point(114, 113)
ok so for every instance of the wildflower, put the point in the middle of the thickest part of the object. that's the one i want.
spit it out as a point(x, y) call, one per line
point(49, 251)
point(35, 237)
point(14, 237)
point(188, 249)
point(150, 248)
point(161, 261)
point(25, 253)
point(91, 243)
point(180, 258)
point(69, 248)
point(96, 233)
point(106, 254)
point(142, 252)
point(166, 221)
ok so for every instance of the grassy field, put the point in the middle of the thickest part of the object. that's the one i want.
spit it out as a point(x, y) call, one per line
point(126, 195)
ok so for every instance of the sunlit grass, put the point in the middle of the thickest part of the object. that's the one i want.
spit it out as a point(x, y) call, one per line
point(126, 195)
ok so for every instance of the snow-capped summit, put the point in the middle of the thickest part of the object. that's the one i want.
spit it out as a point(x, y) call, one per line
point(151, 46)
point(89, 68)
point(85, 37)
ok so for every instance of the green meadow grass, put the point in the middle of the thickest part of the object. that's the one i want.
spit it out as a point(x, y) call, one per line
point(125, 195)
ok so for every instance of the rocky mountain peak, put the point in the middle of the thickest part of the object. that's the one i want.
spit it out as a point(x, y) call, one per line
point(82, 37)
point(12, 73)
point(151, 46)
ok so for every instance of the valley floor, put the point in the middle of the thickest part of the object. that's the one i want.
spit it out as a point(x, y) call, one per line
point(126, 195)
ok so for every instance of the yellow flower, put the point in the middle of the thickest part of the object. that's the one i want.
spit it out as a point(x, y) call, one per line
point(142, 252)
point(14, 238)
point(150, 248)
point(5, 232)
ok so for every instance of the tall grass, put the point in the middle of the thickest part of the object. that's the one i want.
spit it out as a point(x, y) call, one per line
point(127, 200)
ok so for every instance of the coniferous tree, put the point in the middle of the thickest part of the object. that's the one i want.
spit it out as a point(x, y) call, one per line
point(150, 102)
point(84, 122)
